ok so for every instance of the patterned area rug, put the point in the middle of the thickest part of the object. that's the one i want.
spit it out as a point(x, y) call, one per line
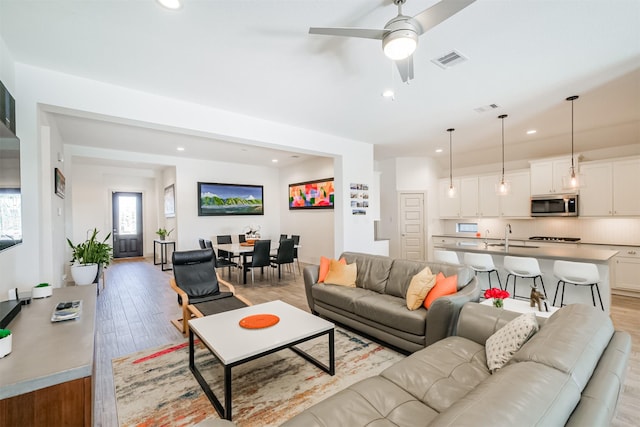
point(156, 388)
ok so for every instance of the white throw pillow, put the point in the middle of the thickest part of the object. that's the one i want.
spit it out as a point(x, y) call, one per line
point(502, 345)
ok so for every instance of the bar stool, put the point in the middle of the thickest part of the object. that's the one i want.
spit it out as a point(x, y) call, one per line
point(527, 268)
point(449, 257)
point(579, 274)
point(482, 263)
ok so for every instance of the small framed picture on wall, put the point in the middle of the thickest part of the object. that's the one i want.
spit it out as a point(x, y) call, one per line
point(170, 202)
point(59, 183)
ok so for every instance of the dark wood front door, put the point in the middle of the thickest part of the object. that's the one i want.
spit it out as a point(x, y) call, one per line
point(127, 224)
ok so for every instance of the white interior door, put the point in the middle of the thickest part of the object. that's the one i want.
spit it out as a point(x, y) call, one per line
point(412, 233)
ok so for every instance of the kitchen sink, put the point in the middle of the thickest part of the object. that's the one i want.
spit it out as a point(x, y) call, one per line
point(513, 246)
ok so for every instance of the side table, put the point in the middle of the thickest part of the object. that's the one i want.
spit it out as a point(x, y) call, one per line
point(164, 260)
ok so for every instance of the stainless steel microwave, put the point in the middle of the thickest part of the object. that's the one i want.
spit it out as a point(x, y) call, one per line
point(555, 205)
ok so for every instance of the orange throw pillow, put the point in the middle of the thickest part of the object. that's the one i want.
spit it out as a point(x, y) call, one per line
point(444, 286)
point(324, 267)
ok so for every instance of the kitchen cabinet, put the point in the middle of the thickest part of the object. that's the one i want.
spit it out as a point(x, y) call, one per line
point(517, 204)
point(488, 200)
point(546, 176)
point(611, 188)
point(469, 197)
point(449, 206)
point(627, 269)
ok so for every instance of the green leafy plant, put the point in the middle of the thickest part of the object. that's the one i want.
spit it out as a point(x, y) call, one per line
point(163, 233)
point(92, 251)
point(42, 285)
point(4, 333)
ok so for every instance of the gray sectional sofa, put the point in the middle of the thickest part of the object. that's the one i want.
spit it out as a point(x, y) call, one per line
point(569, 373)
point(377, 305)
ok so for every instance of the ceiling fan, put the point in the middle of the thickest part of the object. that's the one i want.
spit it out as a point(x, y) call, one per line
point(400, 35)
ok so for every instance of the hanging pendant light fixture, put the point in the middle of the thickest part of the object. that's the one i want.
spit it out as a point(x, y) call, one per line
point(503, 187)
point(573, 181)
point(452, 190)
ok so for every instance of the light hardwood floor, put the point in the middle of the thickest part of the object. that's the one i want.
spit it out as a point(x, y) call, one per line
point(134, 310)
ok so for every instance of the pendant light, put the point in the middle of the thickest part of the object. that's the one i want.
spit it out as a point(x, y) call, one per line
point(572, 181)
point(502, 187)
point(452, 190)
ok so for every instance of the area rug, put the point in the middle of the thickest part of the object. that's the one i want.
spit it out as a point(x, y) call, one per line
point(156, 388)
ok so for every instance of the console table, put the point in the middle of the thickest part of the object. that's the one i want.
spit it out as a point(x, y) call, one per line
point(164, 259)
point(47, 378)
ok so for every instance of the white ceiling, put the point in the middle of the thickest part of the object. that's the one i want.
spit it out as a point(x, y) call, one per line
point(257, 58)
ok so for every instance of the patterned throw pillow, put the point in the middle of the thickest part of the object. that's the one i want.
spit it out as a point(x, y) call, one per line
point(503, 344)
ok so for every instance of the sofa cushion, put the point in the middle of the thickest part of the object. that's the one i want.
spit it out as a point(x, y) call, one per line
point(444, 286)
point(391, 311)
point(341, 274)
point(324, 267)
point(571, 340)
point(371, 402)
point(419, 287)
point(442, 373)
point(338, 296)
point(523, 394)
point(373, 270)
point(502, 345)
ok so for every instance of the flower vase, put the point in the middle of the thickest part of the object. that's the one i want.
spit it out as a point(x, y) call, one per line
point(498, 302)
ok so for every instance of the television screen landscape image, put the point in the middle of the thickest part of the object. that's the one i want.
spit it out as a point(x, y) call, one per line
point(229, 199)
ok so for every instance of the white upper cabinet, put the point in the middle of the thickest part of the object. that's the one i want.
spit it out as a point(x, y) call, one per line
point(596, 197)
point(469, 199)
point(517, 204)
point(626, 187)
point(488, 200)
point(610, 188)
point(449, 207)
point(546, 176)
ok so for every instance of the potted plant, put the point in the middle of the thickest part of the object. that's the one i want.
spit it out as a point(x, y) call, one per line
point(42, 290)
point(5, 342)
point(163, 233)
point(89, 258)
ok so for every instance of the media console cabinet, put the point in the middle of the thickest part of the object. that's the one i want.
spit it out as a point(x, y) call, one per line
point(47, 378)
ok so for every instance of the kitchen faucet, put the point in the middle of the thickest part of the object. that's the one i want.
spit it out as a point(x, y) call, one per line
point(486, 238)
point(507, 231)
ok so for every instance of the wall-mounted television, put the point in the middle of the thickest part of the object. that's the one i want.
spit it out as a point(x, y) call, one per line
point(10, 189)
point(317, 194)
point(229, 199)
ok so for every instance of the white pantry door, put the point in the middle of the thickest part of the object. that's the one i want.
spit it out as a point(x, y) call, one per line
point(412, 226)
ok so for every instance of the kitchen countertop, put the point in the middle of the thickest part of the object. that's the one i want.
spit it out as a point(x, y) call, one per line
point(532, 242)
point(45, 353)
point(579, 254)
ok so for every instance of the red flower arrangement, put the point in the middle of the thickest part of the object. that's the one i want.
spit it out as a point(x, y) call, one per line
point(498, 295)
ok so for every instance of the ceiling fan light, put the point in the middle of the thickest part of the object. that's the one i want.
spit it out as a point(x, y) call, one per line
point(400, 44)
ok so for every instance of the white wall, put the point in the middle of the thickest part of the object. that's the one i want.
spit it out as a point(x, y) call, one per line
point(315, 226)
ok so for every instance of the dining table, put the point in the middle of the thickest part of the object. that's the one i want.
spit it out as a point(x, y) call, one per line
point(243, 251)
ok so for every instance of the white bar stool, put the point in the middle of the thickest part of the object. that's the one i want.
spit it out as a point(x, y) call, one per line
point(579, 274)
point(449, 257)
point(527, 268)
point(482, 263)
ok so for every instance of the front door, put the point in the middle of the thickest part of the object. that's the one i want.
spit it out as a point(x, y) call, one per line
point(412, 226)
point(127, 224)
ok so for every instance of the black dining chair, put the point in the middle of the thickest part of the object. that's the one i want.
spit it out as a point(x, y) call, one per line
point(260, 258)
point(224, 239)
point(242, 238)
point(202, 245)
point(198, 285)
point(220, 261)
point(284, 256)
point(282, 237)
point(296, 243)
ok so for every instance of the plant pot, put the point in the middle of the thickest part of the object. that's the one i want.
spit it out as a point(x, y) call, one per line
point(84, 274)
point(42, 292)
point(5, 345)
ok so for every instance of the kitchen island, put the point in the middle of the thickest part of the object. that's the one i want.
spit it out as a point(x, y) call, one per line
point(546, 256)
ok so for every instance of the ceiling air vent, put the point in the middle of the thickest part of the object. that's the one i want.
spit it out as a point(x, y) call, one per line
point(485, 108)
point(450, 59)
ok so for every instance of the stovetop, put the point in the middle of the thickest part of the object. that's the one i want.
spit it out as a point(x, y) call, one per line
point(555, 239)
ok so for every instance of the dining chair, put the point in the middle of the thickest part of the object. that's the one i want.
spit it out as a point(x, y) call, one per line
point(282, 237)
point(198, 285)
point(242, 238)
point(202, 245)
point(284, 256)
point(260, 257)
point(296, 243)
point(224, 239)
point(220, 262)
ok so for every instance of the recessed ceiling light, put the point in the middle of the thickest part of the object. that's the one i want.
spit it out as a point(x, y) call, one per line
point(388, 93)
point(171, 4)
point(274, 160)
point(531, 132)
point(438, 150)
point(180, 148)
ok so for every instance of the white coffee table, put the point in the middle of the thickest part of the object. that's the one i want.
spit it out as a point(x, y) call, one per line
point(233, 345)
point(519, 306)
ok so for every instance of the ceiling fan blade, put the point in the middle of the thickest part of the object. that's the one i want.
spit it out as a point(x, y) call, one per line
point(437, 13)
point(405, 68)
point(364, 33)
